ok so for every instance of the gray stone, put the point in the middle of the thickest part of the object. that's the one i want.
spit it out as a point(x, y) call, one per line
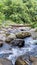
point(18, 42)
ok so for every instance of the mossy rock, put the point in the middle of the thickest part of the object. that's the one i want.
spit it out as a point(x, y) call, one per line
point(23, 34)
point(10, 38)
point(21, 62)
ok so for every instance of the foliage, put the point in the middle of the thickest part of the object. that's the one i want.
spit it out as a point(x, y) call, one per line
point(21, 11)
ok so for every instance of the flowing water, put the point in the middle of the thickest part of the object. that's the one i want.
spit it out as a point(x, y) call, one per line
point(12, 53)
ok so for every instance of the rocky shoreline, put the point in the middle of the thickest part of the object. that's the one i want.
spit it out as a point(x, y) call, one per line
point(14, 37)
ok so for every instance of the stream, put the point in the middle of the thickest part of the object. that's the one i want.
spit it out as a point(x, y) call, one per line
point(12, 53)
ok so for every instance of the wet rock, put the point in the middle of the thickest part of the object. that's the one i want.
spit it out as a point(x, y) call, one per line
point(5, 62)
point(10, 38)
point(33, 58)
point(1, 43)
point(23, 34)
point(21, 62)
point(18, 42)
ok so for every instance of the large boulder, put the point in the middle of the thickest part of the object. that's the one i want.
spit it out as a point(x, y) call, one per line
point(26, 60)
point(10, 38)
point(18, 42)
point(21, 62)
point(1, 43)
point(23, 34)
point(5, 62)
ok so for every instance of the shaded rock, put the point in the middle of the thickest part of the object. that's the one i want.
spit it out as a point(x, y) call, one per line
point(1, 43)
point(10, 38)
point(21, 62)
point(5, 62)
point(18, 42)
point(23, 34)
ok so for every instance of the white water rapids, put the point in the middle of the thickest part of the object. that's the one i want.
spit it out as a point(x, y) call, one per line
point(13, 52)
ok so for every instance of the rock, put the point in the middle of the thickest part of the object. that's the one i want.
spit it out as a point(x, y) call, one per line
point(34, 63)
point(18, 42)
point(5, 62)
point(36, 30)
point(24, 28)
point(1, 32)
point(33, 33)
point(33, 30)
point(10, 38)
point(1, 43)
point(33, 58)
point(2, 37)
point(21, 62)
point(7, 34)
point(23, 34)
point(0, 63)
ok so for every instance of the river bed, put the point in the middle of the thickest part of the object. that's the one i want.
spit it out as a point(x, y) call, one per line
point(12, 53)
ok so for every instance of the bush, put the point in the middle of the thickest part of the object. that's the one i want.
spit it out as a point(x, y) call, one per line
point(21, 11)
